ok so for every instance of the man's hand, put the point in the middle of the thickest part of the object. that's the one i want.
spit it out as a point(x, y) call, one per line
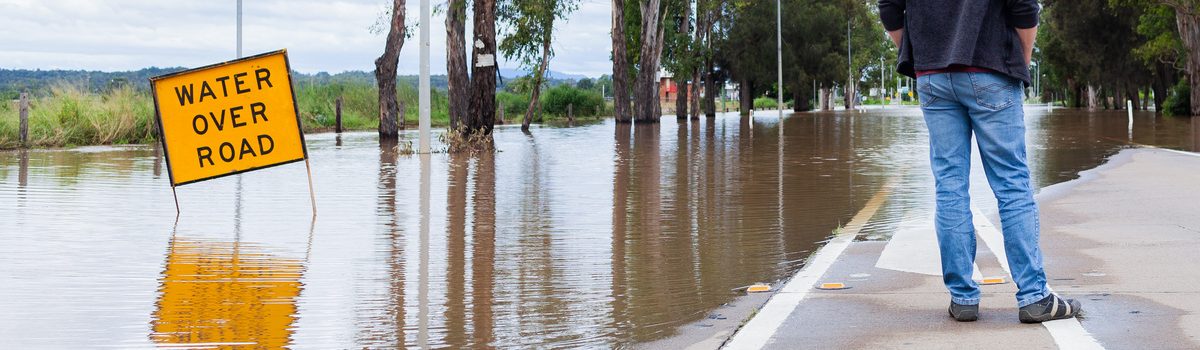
point(1027, 35)
point(896, 35)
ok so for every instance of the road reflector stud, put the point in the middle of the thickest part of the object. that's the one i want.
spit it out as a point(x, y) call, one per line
point(832, 286)
point(758, 288)
point(992, 280)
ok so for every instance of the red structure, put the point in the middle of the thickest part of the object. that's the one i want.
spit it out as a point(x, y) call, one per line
point(668, 91)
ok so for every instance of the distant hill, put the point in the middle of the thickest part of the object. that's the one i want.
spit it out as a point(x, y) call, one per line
point(509, 73)
point(13, 81)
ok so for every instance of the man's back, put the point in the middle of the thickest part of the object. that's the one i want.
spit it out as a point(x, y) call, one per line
point(976, 33)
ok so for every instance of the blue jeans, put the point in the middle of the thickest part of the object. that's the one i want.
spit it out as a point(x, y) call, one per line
point(988, 105)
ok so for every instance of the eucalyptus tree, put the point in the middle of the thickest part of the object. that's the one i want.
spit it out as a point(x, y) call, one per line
point(481, 112)
point(622, 111)
point(528, 26)
point(1187, 19)
point(679, 55)
point(646, 103)
point(459, 83)
point(385, 73)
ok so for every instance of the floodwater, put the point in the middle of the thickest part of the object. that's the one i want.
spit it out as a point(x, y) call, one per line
point(596, 236)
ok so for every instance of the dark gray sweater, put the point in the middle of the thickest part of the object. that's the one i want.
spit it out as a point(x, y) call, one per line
point(977, 33)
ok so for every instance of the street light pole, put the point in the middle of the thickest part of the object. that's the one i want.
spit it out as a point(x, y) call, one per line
point(423, 94)
point(239, 29)
point(779, 55)
point(849, 67)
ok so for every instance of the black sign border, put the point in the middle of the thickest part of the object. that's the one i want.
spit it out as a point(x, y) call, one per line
point(295, 108)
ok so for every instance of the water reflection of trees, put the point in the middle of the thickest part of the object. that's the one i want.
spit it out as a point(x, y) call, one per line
point(386, 327)
point(704, 213)
point(469, 309)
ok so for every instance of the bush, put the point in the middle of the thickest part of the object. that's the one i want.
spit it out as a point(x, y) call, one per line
point(360, 105)
point(556, 99)
point(1179, 102)
point(514, 105)
point(765, 102)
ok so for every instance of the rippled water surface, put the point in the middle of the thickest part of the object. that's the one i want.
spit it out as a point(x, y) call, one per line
point(603, 235)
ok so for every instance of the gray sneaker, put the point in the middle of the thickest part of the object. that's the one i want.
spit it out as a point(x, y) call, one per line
point(1052, 307)
point(964, 313)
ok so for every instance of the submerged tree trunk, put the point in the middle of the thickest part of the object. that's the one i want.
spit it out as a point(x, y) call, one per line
point(746, 97)
point(385, 74)
point(536, 91)
point(647, 109)
point(1164, 74)
point(482, 113)
point(1132, 95)
point(710, 90)
point(458, 83)
point(621, 107)
point(681, 100)
point(825, 98)
point(851, 93)
point(681, 95)
point(1188, 21)
point(1092, 101)
point(694, 95)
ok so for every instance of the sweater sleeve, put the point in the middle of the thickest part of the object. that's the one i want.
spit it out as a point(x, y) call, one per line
point(1021, 13)
point(891, 12)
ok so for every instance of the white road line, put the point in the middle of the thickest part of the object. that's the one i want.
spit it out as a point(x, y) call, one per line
point(756, 333)
point(992, 238)
point(914, 248)
point(1068, 334)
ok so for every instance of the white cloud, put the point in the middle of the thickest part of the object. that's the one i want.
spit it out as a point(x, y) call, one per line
point(329, 35)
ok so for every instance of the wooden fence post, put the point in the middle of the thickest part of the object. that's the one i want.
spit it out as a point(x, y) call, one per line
point(500, 120)
point(571, 113)
point(402, 116)
point(24, 128)
point(337, 112)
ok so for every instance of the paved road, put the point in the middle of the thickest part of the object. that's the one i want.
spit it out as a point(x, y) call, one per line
point(1124, 238)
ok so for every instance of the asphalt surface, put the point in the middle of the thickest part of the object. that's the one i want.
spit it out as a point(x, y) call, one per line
point(1124, 239)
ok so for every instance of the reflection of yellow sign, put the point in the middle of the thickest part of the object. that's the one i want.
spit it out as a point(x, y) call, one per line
point(228, 118)
point(223, 294)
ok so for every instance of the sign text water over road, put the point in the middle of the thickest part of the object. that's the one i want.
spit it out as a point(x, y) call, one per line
point(228, 118)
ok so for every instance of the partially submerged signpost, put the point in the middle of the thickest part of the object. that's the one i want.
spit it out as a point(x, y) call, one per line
point(229, 118)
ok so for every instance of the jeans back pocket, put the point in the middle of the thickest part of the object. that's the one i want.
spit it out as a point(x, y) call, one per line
point(994, 91)
point(925, 91)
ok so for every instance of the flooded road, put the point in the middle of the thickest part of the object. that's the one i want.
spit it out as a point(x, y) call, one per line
point(600, 236)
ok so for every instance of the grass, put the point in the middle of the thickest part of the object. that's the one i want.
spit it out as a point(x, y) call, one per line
point(67, 114)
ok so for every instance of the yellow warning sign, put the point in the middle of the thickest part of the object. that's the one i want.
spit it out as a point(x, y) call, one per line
point(228, 118)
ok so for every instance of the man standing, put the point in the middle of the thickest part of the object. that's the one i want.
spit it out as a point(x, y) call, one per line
point(971, 59)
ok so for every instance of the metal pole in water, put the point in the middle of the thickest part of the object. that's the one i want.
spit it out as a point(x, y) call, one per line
point(882, 87)
point(779, 54)
point(1129, 107)
point(423, 95)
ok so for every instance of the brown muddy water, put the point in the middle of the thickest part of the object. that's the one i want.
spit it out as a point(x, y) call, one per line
point(595, 236)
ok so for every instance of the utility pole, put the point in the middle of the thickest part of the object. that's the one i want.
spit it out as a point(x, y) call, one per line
point(779, 55)
point(239, 29)
point(423, 94)
point(882, 87)
point(849, 66)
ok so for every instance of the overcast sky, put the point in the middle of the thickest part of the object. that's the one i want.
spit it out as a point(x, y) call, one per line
point(320, 35)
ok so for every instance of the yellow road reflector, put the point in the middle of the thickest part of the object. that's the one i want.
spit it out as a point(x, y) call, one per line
point(832, 286)
point(992, 280)
point(758, 288)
